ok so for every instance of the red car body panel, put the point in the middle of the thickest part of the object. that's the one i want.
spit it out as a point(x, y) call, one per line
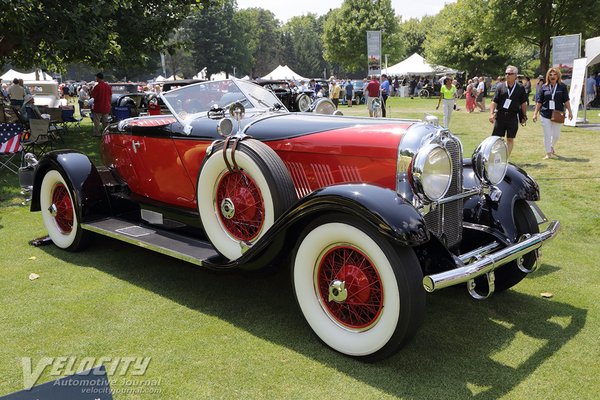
point(165, 169)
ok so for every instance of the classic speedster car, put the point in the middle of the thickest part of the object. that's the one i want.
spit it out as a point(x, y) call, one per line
point(369, 214)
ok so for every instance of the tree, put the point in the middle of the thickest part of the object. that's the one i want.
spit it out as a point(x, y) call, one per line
point(262, 37)
point(303, 48)
point(211, 38)
point(536, 21)
point(54, 33)
point(345, 32)
point(456, 40)
point(412, 34)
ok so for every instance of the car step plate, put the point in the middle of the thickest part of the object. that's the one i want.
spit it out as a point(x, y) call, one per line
point(162, 241)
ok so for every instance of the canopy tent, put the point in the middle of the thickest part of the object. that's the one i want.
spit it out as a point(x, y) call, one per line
point(201, 74)
point(283, 72)
point(219, 76)
point(416, 65)
point(159, 78)
point(592, 51)
point(37, 75)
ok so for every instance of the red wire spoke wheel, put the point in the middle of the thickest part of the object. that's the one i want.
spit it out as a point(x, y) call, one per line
point(63, 208)
point(361, 294)
point(241, 206)
point(59, 212)
point(350, 287)
point(238, 205)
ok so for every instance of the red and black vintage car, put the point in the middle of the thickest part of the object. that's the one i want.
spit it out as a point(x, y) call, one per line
point(372, 213)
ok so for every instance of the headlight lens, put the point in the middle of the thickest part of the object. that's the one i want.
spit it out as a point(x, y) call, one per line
point(490, 160)
point(432, 172)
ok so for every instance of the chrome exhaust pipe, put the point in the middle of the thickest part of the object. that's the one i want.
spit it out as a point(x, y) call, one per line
point(489, 262)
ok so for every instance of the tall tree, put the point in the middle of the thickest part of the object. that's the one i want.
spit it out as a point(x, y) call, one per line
point(211, 37)
point(262, 35)
point(536, 21)
point(345, 32)
point(304, 47)
point(456, 40)
point(54, 33)
point(412, 33)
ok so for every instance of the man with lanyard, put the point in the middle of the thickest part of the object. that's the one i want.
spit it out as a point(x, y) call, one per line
point(385, 92)
point(509, 107)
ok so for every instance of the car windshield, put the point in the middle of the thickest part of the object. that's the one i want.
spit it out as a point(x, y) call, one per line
point(358, 84)
point(124, 88)
point(194, 101)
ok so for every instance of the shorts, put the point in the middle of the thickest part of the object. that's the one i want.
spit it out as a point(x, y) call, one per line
point(479, 98)
point(348, 97)
point(506, 125)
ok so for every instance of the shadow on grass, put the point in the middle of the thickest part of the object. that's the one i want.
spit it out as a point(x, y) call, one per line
point(465, 349)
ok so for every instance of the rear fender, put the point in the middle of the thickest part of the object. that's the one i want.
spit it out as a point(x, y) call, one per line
point(83, 180)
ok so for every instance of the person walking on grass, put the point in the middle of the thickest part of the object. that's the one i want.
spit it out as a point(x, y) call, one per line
point(553, 96)
point(101, 93)
point(508, 107)
point(447, 94)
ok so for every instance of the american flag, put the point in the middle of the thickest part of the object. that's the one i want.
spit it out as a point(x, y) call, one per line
point(10, 138)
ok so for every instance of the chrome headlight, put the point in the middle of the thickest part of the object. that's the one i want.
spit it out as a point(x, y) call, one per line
point(432, 172)
point(490, 160)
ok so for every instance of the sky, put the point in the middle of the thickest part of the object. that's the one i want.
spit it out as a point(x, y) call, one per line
point(284, 10)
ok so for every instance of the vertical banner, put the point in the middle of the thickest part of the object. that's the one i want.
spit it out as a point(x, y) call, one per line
point(374, 52)
point(565, 49)
point(577, 85)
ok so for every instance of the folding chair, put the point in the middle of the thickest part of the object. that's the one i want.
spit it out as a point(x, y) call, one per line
point(40, 137)
point(10, 146)
point(68, 117)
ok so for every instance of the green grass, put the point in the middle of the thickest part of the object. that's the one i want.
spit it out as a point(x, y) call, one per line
point(242, 336)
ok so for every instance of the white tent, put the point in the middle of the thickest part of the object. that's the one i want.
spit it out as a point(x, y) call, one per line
point(416, 65)
point(592, 51)
point(201, 74)
point(31, 76)
point(283, 72)
point(219, 76)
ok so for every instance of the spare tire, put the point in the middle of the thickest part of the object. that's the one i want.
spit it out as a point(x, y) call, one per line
point(237, 207)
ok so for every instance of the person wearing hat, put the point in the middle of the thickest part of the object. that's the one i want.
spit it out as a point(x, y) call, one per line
point(29, 110)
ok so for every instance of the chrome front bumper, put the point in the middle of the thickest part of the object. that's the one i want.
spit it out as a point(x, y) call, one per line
point(489, 262)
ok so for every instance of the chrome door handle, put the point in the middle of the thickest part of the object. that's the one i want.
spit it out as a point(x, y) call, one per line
point(135, 144)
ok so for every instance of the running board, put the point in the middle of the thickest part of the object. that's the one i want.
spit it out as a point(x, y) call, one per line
point(159, 240)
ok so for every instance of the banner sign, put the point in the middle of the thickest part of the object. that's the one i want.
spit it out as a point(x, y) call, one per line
point(577, 84)
point(374, 52)
point(565, 49)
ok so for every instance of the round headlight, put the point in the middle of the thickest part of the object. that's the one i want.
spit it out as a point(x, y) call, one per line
point(323, 106)
point(490, 160)
point(432, 172)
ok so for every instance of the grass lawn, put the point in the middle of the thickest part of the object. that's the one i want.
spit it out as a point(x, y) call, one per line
point(242, 336)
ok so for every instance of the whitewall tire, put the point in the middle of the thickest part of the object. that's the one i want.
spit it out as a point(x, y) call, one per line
point(238, 207)
point(360, 296)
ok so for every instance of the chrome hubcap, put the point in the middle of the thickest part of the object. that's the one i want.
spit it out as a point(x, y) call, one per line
point(338, 291)
point(52, 209)
point(227, 208)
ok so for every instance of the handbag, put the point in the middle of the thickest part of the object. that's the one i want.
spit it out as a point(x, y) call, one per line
point(557, 116)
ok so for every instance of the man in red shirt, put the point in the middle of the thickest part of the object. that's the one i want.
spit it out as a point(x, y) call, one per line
point(372, 93)
point(101, 93)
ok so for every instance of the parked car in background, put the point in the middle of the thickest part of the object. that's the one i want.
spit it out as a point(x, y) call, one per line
point(288, 95)
point(45, 93)
point(369, 214)
point(127, 101)
point(359, 91)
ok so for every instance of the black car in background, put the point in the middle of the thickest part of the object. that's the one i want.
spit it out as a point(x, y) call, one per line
point(289, 95)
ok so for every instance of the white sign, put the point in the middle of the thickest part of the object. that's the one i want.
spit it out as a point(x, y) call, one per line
point(374, 52)
point(577, 82)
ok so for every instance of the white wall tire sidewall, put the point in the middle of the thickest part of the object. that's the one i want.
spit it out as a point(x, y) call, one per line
point(60, 239)
point(345, 341)
point(210, 175)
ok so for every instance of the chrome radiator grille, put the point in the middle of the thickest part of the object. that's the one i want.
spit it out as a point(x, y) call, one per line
point(445, 221)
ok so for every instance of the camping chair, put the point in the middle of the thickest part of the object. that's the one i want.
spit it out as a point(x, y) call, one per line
point(121, 112)
point(10, 146)
point(68, 117)
point(40, 137)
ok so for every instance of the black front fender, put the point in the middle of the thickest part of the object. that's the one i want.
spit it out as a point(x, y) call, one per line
point(516, 186)
point(82, 178)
